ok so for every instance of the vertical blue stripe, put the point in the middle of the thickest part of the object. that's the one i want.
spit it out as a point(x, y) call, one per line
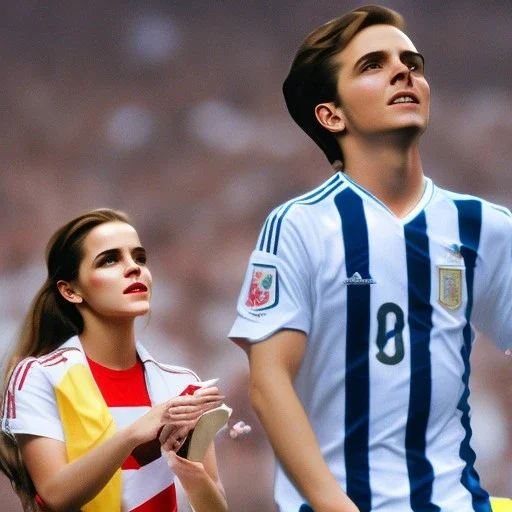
point(421, 474)
point(470, 225)
point(263, 235)
point(269, 241)
point(357, 378)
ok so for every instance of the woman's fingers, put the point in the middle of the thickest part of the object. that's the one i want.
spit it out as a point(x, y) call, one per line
point(172, 438)
point(210, 390)
point(178, 410)
point(183, 408)
point(194, 400)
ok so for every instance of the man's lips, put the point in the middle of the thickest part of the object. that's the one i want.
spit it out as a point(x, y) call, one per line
point(136, 288)
point(398, 98)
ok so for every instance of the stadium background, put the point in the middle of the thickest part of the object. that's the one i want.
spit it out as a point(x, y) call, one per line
point(172, 111)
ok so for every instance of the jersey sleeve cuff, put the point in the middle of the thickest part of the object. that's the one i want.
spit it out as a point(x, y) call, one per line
point(254, 332)
point(39, 427)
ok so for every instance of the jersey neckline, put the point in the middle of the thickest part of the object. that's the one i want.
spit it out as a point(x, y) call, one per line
point(428, 193)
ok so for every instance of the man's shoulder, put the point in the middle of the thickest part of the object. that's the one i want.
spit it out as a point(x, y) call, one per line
point(303, 204)
point(495, 220)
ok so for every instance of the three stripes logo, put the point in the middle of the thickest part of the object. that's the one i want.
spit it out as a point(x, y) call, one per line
point(356, 279)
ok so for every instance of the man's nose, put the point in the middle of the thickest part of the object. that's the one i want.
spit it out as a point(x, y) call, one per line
point(401, 72)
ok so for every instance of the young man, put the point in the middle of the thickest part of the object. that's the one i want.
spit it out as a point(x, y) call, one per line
point(357, 306)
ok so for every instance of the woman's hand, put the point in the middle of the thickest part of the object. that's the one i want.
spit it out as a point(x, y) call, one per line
point(185, 469)
point(148, 426)
point(183, 412)
point(200, 481)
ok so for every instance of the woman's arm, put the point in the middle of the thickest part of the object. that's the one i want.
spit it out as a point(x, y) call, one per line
point(200, 481)
point(67, 486)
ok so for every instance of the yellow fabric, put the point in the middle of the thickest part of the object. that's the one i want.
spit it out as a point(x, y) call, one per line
point(87, 422)
point(501, 504)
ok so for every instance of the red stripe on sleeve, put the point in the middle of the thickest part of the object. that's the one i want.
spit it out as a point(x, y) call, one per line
point(24, 376)
point(11, 406)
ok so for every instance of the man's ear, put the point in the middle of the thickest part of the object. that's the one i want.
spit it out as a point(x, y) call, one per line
point(330, 117)
point(68, 292)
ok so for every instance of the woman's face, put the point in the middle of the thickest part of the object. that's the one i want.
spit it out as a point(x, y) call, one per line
point(113, 279)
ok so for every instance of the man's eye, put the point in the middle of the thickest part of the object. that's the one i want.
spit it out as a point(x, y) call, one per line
point(415, 66)
point(370, 65)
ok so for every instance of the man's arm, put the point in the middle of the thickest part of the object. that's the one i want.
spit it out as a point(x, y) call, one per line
point(273, 366)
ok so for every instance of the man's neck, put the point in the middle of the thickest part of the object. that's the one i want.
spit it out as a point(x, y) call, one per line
point(393, 175)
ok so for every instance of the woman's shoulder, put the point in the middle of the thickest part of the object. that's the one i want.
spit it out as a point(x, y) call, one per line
point(56, 361)
point(149, 361)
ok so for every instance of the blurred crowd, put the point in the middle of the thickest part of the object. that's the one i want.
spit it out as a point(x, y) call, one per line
point(172, 111)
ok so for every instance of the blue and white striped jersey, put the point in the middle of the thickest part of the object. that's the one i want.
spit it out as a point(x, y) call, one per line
point(388, 306)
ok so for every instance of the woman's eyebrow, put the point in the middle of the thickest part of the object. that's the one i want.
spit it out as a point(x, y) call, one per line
point(109, 252)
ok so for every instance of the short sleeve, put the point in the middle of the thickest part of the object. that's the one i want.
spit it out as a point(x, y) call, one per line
point(29, 404)
point(275, 293)
point(492, 310)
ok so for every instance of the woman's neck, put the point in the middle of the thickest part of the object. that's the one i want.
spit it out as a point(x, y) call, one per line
point(110, 343)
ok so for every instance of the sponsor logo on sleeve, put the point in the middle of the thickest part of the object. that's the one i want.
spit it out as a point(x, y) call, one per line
point(264, 288)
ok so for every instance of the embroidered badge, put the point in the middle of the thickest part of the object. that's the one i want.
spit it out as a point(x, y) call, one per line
point(263, 290)
point(450, 287)
point(357, 279)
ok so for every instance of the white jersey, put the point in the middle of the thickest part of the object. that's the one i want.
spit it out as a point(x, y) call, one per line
point(387, 305)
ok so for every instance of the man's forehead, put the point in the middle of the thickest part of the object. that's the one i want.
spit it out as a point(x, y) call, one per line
point(375, 38)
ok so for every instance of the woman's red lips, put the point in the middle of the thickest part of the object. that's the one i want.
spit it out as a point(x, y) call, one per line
point(136, 288)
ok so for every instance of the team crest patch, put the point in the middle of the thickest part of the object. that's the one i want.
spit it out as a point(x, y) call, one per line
point(450, 287)
point(263, 290)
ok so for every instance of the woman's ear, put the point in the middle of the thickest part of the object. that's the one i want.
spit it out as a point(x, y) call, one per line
point(68, 292)
point(330, 117)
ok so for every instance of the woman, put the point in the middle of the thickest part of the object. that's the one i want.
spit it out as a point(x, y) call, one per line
point(86, 410)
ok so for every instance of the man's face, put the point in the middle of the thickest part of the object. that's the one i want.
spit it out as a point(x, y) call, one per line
point(381, 85)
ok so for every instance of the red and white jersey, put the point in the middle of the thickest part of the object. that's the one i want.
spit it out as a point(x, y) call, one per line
point(30, 407)
point(388, 306)
point(148, 484)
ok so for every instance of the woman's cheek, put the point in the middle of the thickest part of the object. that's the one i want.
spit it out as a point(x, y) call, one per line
point(100, 281)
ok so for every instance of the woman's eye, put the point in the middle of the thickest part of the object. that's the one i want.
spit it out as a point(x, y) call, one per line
point(141, 260)
point(109, 260)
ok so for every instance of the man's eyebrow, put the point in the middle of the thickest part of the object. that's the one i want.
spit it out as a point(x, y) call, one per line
point(377, 55)
point(409, 53)
point(380, 54)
